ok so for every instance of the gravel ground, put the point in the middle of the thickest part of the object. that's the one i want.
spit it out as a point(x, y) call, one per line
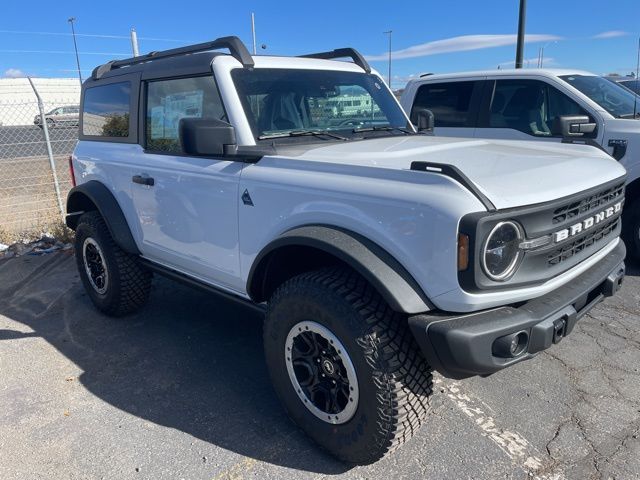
point(180, 391)
point(28, 201)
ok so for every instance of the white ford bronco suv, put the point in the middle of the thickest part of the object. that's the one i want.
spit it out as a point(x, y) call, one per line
point(548, 105)
point(378, 253)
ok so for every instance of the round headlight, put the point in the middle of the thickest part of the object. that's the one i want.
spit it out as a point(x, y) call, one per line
point(501, 252)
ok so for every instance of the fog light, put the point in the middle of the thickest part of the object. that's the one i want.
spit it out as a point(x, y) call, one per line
point(511, 346)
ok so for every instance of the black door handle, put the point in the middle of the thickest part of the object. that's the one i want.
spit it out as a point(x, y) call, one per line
point(143, 180)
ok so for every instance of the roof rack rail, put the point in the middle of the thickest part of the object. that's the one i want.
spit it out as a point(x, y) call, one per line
point(352, 53)
point(237, 49)
point(426, 75)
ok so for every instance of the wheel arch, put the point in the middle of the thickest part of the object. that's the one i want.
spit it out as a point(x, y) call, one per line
point(94, 195)
point(315, 246)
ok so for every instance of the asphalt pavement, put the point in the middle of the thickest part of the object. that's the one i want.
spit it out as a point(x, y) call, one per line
point(28, 141)
point(180, 391)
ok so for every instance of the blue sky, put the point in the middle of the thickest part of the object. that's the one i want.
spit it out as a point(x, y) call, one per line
point(428, 36)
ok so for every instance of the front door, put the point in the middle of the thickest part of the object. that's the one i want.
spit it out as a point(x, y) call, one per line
point(187, 206)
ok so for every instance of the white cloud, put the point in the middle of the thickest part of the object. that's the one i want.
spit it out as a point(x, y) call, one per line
point(611, 34)
point(461, 44)
point(14, 73)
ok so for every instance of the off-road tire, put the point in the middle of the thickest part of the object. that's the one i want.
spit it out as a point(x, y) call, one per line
point(631, 229)
point(129, 282)
point(393, 377)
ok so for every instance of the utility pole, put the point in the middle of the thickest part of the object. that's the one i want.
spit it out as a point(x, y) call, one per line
point(253, 31)
point(389, 32)
point(635, 97)
point(521, 27)
point(75, 46)
point(134, 43)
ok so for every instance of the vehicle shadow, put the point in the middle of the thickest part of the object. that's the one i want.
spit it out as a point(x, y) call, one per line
point(189, 361)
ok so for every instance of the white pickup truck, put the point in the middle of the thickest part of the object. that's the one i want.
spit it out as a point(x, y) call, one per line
point(378, 253)
point(547, 105)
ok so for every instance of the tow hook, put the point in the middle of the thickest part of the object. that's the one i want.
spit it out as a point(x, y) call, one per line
point(559, 329)
point(614, 282)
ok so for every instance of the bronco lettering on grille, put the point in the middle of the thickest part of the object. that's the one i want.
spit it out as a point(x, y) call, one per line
point(587, 223)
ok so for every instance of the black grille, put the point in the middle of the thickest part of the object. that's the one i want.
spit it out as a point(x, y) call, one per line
point(570, 249)
point(587, 204)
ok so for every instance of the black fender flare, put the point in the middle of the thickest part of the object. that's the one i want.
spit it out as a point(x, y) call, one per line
point(94, 195)
point(394, 283)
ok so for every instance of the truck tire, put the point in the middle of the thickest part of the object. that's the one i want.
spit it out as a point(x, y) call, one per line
point(345, 366)
point(631, 228)
point(114, 279)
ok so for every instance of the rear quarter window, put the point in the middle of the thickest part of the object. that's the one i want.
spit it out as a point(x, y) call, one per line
point(106, 110)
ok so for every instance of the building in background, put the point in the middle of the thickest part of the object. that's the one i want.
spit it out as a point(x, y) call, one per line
point(18, 103)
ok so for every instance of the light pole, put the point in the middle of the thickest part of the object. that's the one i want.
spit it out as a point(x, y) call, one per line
point(541, 55)
point(253, 32)
point(521, 28)
point(75, 46)
point(134, 43)
point(389, 32)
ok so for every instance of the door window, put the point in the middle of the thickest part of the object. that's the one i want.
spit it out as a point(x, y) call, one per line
point(170, 100)
point(449, 103)
point(529, 106)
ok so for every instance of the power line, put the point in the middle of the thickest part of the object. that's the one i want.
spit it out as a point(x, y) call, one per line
point(39, 69)
point(94, 35)
point(65, 52)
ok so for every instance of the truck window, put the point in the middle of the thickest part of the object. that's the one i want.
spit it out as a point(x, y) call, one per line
point(284, 100)
point(449, 103)
point(529, 106)
point(615, 99)
point(170, 100)
point(106, 110)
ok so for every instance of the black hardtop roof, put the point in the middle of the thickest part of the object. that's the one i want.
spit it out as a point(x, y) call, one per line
point(196, 59)
point(199, 63)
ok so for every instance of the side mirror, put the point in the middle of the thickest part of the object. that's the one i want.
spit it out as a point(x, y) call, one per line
point(425, 120)
point(573, 126)
point(207, 137)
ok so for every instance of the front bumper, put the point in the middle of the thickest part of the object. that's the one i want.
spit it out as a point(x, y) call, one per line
point(460, 346)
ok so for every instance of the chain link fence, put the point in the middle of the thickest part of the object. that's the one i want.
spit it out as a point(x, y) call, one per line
point(38, 131)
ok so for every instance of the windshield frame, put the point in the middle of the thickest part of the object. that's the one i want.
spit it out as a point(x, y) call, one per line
point(316, 133)
point(598, 81)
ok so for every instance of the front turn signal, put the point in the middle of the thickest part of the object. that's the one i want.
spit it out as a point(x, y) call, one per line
point(463, 252)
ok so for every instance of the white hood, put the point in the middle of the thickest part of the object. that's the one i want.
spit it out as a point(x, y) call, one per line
point(509, 173)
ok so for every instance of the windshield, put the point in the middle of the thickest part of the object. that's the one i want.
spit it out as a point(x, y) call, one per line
point(279, 102)
point(616, 100)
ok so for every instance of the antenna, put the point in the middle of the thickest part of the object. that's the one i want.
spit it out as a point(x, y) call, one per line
point(635, 99)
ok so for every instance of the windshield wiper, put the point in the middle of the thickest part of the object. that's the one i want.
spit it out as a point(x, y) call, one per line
point(630, 115)
point(303, 133)
point(383, 128)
